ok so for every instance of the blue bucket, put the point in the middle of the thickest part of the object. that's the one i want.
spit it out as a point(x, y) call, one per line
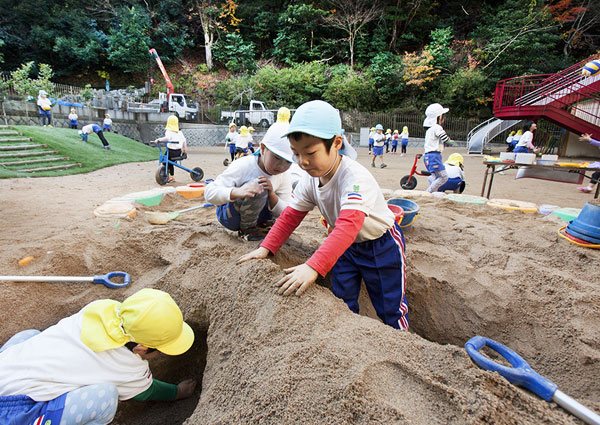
point(587, 225)
point(411, 210)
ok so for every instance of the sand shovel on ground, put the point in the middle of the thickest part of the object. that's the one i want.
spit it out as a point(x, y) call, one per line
point(157, 217)
point(104, 279)
point(522, 374)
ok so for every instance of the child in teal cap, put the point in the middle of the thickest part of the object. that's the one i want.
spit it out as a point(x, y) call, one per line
point(365, 242)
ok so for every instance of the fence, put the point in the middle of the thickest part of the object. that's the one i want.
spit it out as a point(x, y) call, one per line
point(456, 128)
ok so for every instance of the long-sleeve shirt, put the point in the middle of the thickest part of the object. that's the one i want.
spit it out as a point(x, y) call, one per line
point(526, 140)
point(435, 137)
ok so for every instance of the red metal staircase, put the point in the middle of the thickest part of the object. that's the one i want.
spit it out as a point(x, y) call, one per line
point(566, 98)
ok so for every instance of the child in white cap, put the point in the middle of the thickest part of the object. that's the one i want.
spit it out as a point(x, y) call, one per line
point(231, 139)
point(107, 123)
point(365, 242)
point(77, 371)
point(44, 106)
point(378, 142)
point(254, 188)
point(435, 138)
point(88, 129)
point(73, 119)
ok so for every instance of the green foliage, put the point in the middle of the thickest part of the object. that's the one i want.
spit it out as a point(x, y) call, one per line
point(2, 43)
point(234, 53)
point(129, 42)
point(368, 48)
point(295, 41)
point(28, 87)
point(467, 90)
point(441, 39)
point(87, 93)
point(349, 89)
point(387, 73)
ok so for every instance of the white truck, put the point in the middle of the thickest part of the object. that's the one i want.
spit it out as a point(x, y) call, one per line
point(181, 105)
point(254, 114)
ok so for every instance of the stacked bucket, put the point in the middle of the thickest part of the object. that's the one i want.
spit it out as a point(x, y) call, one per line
point(586, 227)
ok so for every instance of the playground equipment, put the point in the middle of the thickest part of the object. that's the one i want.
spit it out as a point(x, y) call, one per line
point(162, 176)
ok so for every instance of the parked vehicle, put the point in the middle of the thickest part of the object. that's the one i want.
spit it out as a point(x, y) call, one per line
point(255, 114)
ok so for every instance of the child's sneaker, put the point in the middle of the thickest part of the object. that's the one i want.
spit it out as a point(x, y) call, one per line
point(584, 189)
point(372, 164)
point(383, 165)
point(252, 234)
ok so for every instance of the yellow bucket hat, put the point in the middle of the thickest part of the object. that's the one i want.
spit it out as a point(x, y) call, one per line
point(172, 124)
point(244, 131)
point(455, 159)
point(283, 115)
point(149, 317)
point(405, 128)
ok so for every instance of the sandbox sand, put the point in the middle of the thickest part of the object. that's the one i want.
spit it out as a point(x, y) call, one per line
point(263, 358)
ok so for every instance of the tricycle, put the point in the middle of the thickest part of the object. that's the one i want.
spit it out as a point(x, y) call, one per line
point(162, 176)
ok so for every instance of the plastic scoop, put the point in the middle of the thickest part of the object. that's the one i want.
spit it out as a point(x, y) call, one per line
point(157, 217)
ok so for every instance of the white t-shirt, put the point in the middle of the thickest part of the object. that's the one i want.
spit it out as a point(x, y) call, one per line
point(232, 136)
point(57, 361)
point(351, 187)
point(107, 121)
point(378, 139)
point(176, 139)
point(73, 116)
point(242, 141)
point(526, 139)
point(44, 103)
point(242, 171)
point(433, 139)
point(454, 171)
point(87, 129)
point(404, 135)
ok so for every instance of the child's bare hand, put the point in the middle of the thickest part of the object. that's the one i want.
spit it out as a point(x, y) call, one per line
point(257, 254)
point(248, 190)
point(585, 137)
point(265, 182)
point(298, 278)
point(185, 388)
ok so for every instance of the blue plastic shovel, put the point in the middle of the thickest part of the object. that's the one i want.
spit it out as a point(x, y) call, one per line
point(104, 279)
point(522, 374)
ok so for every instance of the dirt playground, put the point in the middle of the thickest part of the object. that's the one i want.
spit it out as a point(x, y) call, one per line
point(263, 358)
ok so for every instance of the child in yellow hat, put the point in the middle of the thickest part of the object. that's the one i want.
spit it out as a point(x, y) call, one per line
point(456, 177)
point(177, 145)
point(77, 371)
point(231, 139)
point(107, 123)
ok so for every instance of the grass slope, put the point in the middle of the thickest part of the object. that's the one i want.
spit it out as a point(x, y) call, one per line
point(90, 155)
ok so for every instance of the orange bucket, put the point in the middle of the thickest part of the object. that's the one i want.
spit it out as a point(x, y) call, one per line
point(398, 212)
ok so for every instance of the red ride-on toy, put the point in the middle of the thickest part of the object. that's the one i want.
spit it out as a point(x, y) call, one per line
point(409, 182)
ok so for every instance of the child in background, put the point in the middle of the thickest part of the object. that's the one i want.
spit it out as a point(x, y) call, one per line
point(365, 242)
point(73, 119)
point(231, 139)
point(525, 143)
point(372, 134)
point(254, 188)
point(456, 177)
point(435, 139)
point(87, 129)
point(177, 145)
point(378, 142)
point(241, 144)
point(251, 142)
point(388, 139)
point(44, 106)
point(515, 140)
point(395, 139)
point(107, 123)
point(404, 140)
point(596, 174)
point(509, 139)
point(78, 370)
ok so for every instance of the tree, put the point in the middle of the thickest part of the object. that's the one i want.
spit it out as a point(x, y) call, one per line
point(128, 44)
point(351, 16)
point(26, 86)
point(441, 39)
point(235, 54)
point(576, 18)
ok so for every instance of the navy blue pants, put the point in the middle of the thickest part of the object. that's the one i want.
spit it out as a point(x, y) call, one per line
point(381, 263)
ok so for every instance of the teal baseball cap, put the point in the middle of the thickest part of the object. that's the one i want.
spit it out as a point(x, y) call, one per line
point(316, 118)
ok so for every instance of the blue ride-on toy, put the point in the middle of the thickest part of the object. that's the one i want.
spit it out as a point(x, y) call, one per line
point(162, 177)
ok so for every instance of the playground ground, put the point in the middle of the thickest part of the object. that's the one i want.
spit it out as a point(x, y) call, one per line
point(261, 358)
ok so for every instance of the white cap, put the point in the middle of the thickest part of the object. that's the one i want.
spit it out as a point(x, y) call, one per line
point(432, 113)
point(276, 141)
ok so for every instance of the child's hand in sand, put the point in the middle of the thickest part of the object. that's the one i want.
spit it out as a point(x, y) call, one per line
point(185, 389)
point(248, 190)
point(257, 254)
point(298, 279)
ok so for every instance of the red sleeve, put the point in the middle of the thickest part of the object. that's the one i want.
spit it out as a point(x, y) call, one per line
point(347, 226)
point(284, 226)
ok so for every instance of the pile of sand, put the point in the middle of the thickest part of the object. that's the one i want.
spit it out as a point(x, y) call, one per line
point(263, 358)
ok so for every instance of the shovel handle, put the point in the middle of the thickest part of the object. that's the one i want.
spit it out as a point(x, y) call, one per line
point(105, 279)
point(520, 373)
